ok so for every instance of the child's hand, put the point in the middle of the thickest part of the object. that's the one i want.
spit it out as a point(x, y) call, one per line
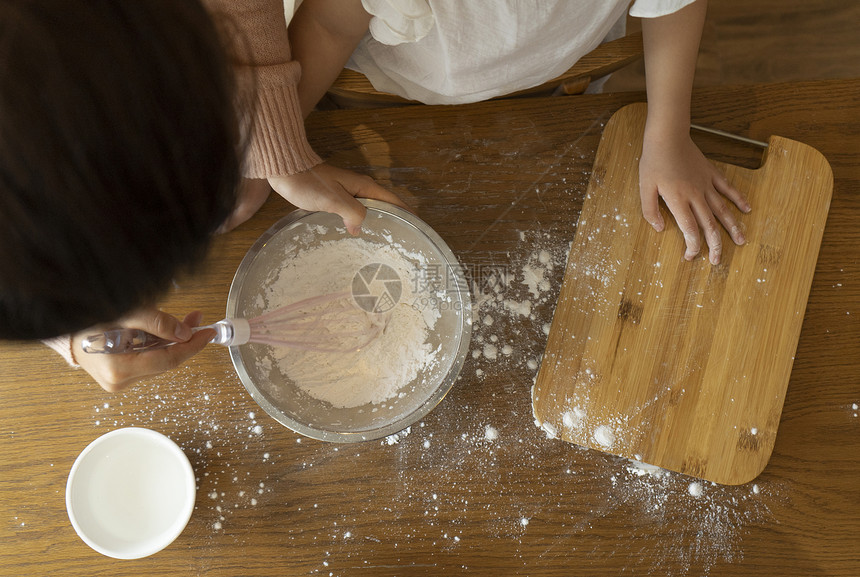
point(116, 372)
point(692, 189)
point(332, 189)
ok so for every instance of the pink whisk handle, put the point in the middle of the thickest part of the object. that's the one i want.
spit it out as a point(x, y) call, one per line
point(228, 332)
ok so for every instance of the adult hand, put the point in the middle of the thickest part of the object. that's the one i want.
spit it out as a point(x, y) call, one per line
point(332, 189)
point(693, 189)
point(115, 372)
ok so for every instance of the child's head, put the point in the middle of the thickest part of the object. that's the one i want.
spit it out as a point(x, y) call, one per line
point(119, 156)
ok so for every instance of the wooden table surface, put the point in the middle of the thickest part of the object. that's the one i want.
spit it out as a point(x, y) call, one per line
point(475, 487)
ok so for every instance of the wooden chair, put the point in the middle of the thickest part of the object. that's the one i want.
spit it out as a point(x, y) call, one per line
point(353, 90)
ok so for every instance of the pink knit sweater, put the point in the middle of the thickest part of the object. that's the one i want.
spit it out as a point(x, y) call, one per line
point(279, 145)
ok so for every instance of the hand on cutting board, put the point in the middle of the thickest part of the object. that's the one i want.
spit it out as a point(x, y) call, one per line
point(672, 166)
point(693, 190)
point(114, 372)
point(332, 189)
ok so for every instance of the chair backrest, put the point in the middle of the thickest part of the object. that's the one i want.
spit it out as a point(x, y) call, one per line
point(353, 90)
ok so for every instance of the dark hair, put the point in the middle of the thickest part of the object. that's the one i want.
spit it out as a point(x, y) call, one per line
point(119, 156)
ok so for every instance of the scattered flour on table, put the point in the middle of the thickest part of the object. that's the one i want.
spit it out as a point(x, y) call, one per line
point(395, 438)
point(491, 351)
point(639, 469)
point(718, 515)
point(695, 489)
point(209, 419)
point(514, 297)
point(378, 371)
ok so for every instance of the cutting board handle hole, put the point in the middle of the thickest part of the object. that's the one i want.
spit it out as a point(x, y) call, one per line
point(727, 151)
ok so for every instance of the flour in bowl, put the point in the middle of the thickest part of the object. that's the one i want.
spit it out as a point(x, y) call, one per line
point(380, 370)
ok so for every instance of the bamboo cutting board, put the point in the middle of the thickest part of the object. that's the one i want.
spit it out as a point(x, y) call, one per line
point(682, 365)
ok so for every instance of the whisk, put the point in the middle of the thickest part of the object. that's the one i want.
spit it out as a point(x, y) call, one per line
point(327, 323)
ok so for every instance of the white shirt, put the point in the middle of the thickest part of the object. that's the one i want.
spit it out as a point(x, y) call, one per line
point(457, 51)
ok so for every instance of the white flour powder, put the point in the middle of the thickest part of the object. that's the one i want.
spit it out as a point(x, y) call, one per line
point(604, 436)
point(380, 370)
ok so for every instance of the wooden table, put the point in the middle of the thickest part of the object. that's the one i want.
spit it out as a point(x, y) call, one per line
point(503, 183)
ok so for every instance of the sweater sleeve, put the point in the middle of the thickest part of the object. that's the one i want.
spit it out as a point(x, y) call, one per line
point(63, 346)
point(261, 53)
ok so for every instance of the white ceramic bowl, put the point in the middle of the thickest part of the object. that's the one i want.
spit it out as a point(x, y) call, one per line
point(130, 493)
point(450, 335)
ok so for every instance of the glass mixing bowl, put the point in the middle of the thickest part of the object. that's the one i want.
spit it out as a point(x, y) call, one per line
point(443, 286)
